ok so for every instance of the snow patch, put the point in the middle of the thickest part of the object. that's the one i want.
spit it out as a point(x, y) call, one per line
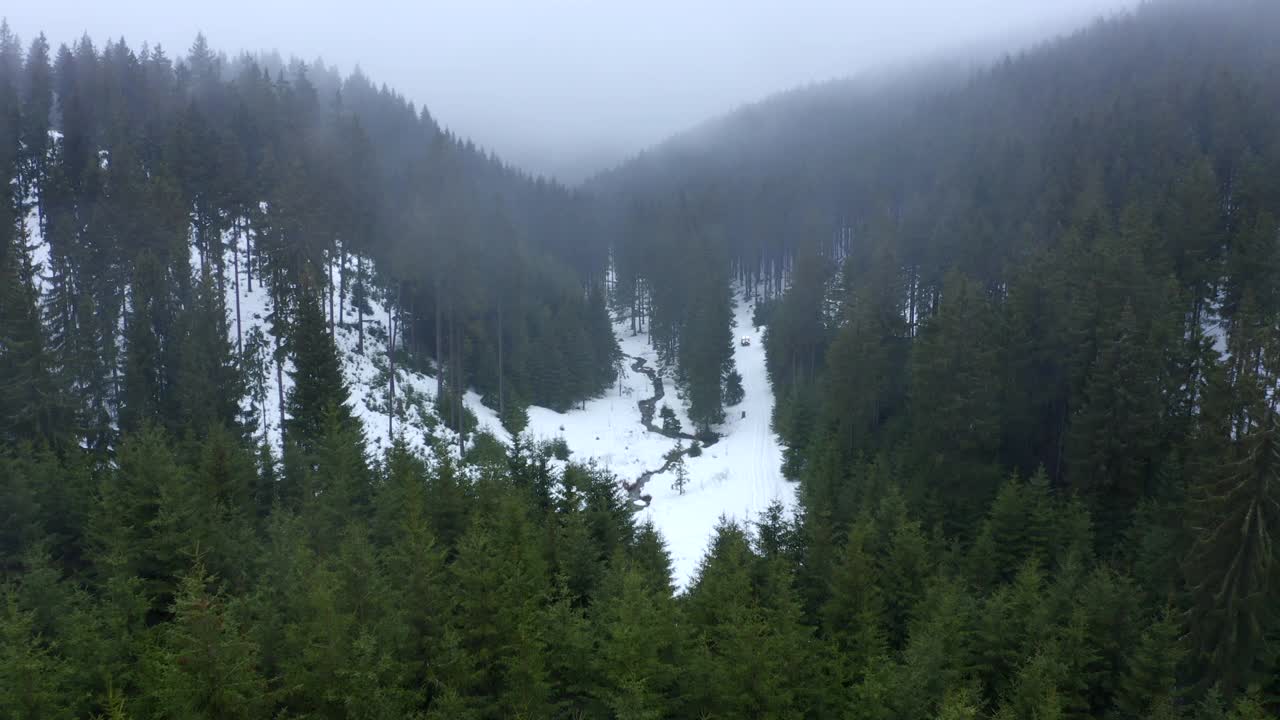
point(737, 478)
point(365, 372)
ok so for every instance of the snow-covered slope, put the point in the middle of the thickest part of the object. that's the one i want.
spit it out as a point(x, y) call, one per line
point(737, 477)
point(365, 371)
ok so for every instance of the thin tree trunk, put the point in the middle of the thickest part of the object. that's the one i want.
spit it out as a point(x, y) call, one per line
point(455, 378)
point(248, 257)
point(458, 392)
point(235, 257)
point(439, 343)
point(279, 362)
point(391, 361)
point(360, 306)
point(342, 287)
point(280, 390)
point(262, 409)
point(329, 272)
point(502, 407)
point(408, 338)
point(219, 264)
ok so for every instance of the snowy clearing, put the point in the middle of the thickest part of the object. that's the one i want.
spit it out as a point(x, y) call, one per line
point(736, 478)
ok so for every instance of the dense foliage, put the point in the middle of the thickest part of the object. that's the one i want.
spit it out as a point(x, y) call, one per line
point(1024, 333)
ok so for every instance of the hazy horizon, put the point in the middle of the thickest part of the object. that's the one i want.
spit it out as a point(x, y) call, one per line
point(569, 87)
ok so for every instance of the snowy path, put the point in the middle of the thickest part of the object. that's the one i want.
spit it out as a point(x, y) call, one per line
point(737, 478)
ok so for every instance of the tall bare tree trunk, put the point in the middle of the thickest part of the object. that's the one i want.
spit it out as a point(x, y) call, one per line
point(219, 264)
point(360, 306)
point(502, 406)
point(235, 258)
point(391, 362)
point(248, 256)
point(342, 286)
point(439, 342)
point(455, 380)
point(280, 391)
point(407, 338)
point(329, 282)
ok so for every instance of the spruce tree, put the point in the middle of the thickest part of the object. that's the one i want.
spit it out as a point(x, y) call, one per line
point(34, 408)
point(1233, 503)
point(149, 329)
point(679, 469)
point(206, 665)
point(319, 387)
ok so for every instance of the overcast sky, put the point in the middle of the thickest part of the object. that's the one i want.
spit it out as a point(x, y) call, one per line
point(566, 87)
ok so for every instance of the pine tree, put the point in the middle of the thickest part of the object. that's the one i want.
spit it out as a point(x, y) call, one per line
point(319, 387)
point(670, 423)
point(136, 527)
point(639, 647)
point(1150, 681)
point(500, 586)
point(853, 616)
point(1012, 621)
point(738, 667)
point(30, 673)
point(149, 330)
point(954, 399)
point(1114, 434)
point(865, 385)
point(206, 666)
point(34, 408)
point(1035, 695)
point(209, 382)
point(255, 368)
point(1234, 502)
point(37, 104)
point(733, 392)
point(681, 471)
point(336, 490)
point(413, 556)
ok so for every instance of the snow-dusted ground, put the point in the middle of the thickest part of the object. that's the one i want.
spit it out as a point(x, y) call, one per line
point(737, 477)
point(364, 371)
point(607, 429)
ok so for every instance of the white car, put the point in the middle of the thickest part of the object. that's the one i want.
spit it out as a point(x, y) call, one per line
point(745, 341)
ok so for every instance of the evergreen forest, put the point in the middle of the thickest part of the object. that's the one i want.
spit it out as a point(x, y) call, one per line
point(1022, 329)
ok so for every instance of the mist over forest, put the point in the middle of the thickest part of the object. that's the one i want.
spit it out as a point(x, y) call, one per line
point(707, 362)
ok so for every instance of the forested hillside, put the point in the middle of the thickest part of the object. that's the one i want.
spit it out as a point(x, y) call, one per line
point(124, 159)
point(1023, 328)
point(1064, 270)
